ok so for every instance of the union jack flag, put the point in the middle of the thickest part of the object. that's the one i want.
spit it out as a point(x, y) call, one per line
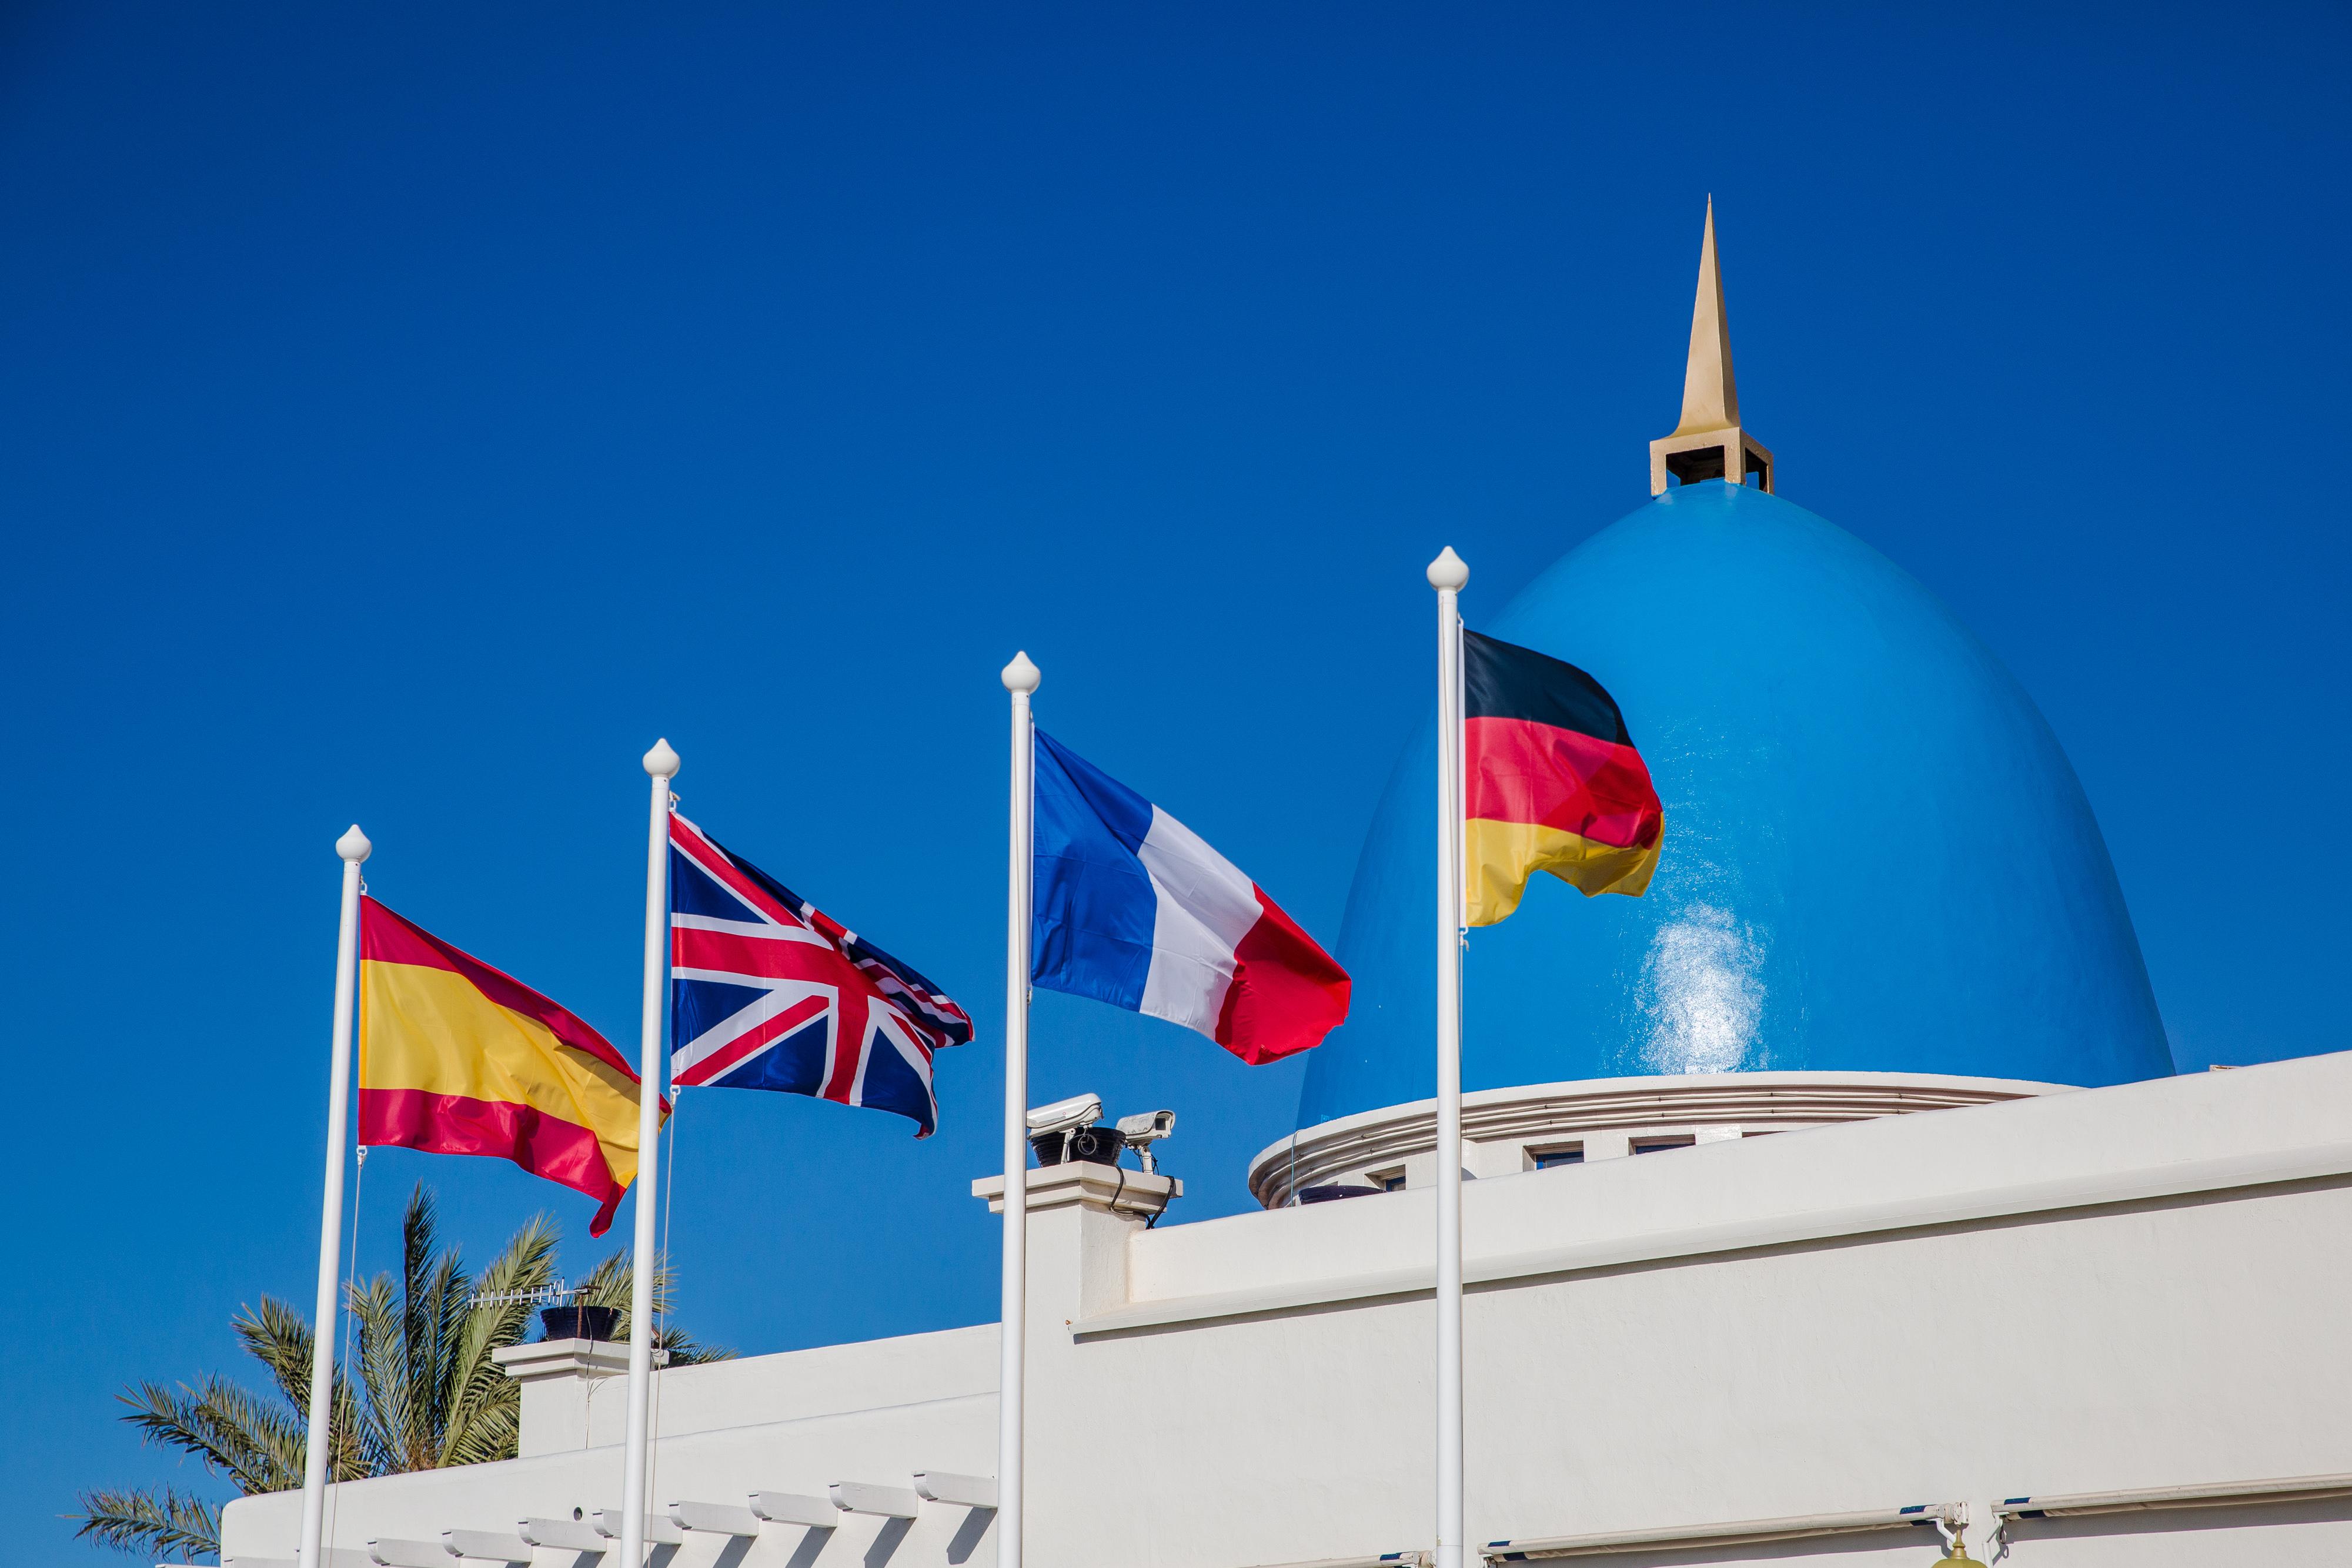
point(766, 992)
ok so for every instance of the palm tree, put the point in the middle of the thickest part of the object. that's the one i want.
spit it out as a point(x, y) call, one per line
point(428, 1394)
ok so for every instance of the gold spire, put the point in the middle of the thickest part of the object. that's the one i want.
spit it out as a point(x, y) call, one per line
point(1709, 440)
point(1710, 395)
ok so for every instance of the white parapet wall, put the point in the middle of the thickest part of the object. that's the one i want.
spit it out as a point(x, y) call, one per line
point(573, 1391)
point(2126, 1291)
point(1507, 1131)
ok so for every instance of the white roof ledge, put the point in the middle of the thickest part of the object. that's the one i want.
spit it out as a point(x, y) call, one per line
point(2090, 1189)
point(1741, 1533)
point(2212, 1494)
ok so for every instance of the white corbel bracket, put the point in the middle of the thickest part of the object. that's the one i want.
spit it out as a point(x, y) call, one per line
point(964, 1491)
point(561, 1534)
point(889, 1503)
point(488, 1545)
point(659, 1531)
point(716, 1519)
point(796, 1507)
point(397, 1553)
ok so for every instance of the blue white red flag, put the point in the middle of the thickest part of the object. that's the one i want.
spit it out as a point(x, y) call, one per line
point(1134, 909)
point(766, 992)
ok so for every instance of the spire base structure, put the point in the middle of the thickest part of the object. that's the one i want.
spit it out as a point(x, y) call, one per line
point(1709, 443)
point(1710, 455)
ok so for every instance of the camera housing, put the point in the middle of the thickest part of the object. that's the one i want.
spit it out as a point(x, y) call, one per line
point(1070, 1131)
point(1063, 1116)
point(1142, 1130)
point(1066, 1130)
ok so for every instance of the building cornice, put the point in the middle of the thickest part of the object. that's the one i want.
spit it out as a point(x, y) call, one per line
point(2089, 1190)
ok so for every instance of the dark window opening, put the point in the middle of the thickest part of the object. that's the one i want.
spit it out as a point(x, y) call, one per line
point(1697, 463)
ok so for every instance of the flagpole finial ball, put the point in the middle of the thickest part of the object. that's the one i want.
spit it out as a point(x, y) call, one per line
point(1448, 571)
point(1021, 675)
point(353, 846)
point(661, 761)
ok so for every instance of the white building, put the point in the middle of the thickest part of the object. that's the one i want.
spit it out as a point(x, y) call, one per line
point(2001, 1270)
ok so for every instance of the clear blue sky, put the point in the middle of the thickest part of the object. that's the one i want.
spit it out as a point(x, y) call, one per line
point(407, 413)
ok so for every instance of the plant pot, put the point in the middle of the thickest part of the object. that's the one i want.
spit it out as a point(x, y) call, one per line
point(1098, 1145)
point(580, 1322)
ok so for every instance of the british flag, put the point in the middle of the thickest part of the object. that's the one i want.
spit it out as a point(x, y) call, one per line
point(766, 992)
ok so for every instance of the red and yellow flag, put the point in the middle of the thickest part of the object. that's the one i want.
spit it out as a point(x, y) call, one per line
point(457, 1058)
point(1551, 782)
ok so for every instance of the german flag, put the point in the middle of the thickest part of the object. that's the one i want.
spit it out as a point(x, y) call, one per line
point(457, 1058)
point(1554, 783)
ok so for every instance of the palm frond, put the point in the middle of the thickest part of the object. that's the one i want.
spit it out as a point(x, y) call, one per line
point(279, 1338)
point(274, 1437)
point(223, 1425)
point(436, 1315)
point(686, 1351)
point(149, 1522)
point(491, 1430)
point(607, 1284)
point(383, 1371)
point(423, 1389)
point(484, 1406)
point(427, 1277)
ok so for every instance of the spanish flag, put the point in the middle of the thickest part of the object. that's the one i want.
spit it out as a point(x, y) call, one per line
point(1553, 782)
point(457, 1058)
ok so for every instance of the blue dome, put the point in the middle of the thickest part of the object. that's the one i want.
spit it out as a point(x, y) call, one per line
point(1877, 857)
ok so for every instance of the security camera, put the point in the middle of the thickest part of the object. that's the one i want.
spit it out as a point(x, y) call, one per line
point(1065, 1115)
point(1140, 1131)
point(1066, 1130)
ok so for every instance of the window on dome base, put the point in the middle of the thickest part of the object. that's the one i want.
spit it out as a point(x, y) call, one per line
point(1654, 1145)
point(1390, 1180)
point(1546, 1159)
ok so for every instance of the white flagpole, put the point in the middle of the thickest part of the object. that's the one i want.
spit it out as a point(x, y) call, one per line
point(354, 847)
point(1021, 678)
point(1447, 575)
point(661, 764)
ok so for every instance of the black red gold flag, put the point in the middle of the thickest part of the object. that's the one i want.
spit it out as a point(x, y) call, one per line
point(1553, 782)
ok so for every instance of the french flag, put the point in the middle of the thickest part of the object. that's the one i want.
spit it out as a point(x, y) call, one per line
point(1134, 909)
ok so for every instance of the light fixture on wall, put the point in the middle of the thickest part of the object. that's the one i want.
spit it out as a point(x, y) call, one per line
point(1956, 1546)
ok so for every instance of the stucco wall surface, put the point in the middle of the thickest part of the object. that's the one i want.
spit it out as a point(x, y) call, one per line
point(2138, 1286)
point(2019, 1153)
point(883, 1446)
point(907, 1369)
